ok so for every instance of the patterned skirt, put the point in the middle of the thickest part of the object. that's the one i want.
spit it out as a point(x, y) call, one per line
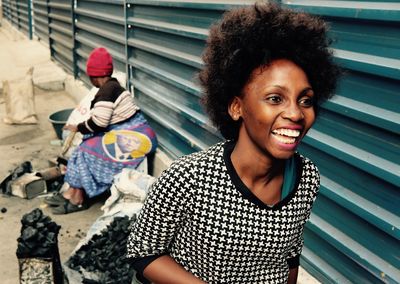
point(100, 156)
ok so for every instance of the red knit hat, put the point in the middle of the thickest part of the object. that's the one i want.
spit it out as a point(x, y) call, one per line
point(99, 63)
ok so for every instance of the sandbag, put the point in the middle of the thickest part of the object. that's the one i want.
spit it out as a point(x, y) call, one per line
point(19, 100)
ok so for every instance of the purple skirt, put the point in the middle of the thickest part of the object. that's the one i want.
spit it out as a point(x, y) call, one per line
point(100, 156)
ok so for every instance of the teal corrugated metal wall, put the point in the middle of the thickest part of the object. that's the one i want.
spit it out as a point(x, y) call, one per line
point(41, 20)
point(353, 234)
point(165, 40)
point(61, 32)
point(6, 9)
point(18, 13)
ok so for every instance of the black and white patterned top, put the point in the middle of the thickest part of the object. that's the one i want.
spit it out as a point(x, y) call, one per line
point(202, 215)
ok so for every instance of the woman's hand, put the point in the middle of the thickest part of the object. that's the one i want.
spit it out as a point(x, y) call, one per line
point(72, 128)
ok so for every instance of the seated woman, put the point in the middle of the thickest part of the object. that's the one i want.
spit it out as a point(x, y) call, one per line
point(116, 136)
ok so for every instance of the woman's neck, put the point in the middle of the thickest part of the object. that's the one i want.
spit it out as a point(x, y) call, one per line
point(102, 80)
point(262, 174)
point(254, 166)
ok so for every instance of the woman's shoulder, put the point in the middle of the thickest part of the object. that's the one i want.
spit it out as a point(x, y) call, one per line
point(199, 159)
point(306, 164)
point(309, 177)
point(110, 91)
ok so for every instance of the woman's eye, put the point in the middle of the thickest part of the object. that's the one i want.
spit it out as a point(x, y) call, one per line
point(274, 99)
point(306, 102)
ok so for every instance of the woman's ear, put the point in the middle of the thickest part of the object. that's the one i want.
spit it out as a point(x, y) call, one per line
point(235, 108)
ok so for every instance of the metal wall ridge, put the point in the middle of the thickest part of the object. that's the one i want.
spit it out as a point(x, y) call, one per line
point(108, 2)
point(365, 160)
point(177, 81)
point(389, 67)
point(62, 18)
point(181, 30)
point(102, 32)
point(64, 6)
point(98, 15)
point(63, 41)
point(352, 248)
point(181, 134)
point(210, 4)
point(180, 56)
point(65, 31)
point(328, 274)
point(386, 11)
point(377, 116)
point(40, 3)
point(365, 209)
point(197, 118)
point(39, 12)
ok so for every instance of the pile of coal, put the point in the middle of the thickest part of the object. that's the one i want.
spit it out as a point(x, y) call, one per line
point(37, 250)
point(38, 235)
point(105, 254)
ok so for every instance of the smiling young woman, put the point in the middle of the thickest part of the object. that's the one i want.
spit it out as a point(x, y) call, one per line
point(235, 213)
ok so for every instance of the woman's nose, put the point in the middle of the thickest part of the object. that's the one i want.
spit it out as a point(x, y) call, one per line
point(293, 112)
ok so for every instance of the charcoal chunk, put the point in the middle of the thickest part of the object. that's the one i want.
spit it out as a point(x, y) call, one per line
point(105, 254)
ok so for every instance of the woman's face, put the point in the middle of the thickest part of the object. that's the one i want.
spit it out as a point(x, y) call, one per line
point(95, 81)
point(128, 143)
point(276, 109)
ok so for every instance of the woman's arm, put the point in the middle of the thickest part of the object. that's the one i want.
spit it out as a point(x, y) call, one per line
point(165, 270)
point(164, 212)
point(293, 275)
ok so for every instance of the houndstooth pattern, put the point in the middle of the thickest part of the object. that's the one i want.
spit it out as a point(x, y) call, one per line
point(196, 214)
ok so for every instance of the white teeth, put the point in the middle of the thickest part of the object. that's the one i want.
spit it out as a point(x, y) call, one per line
point(287, 132)
point(286, 140)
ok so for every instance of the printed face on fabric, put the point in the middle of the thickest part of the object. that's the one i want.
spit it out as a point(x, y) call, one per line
point(276, 109)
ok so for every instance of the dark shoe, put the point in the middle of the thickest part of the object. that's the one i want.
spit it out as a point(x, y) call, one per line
point(68, 207)
point(55, 200)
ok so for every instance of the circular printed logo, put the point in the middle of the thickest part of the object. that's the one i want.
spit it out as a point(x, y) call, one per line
point(125, 145)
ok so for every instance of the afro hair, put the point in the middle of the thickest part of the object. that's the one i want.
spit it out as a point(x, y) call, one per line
point(249, 37)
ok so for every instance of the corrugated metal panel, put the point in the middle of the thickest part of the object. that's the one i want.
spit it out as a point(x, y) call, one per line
point(61, 32)
point(13, 13)
point(353, 235)
point(6, 9)
point(25, 17)
point(18, 13)
point(354, 231)
point(41, 20)
point(165, 40)
point(99, 23)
